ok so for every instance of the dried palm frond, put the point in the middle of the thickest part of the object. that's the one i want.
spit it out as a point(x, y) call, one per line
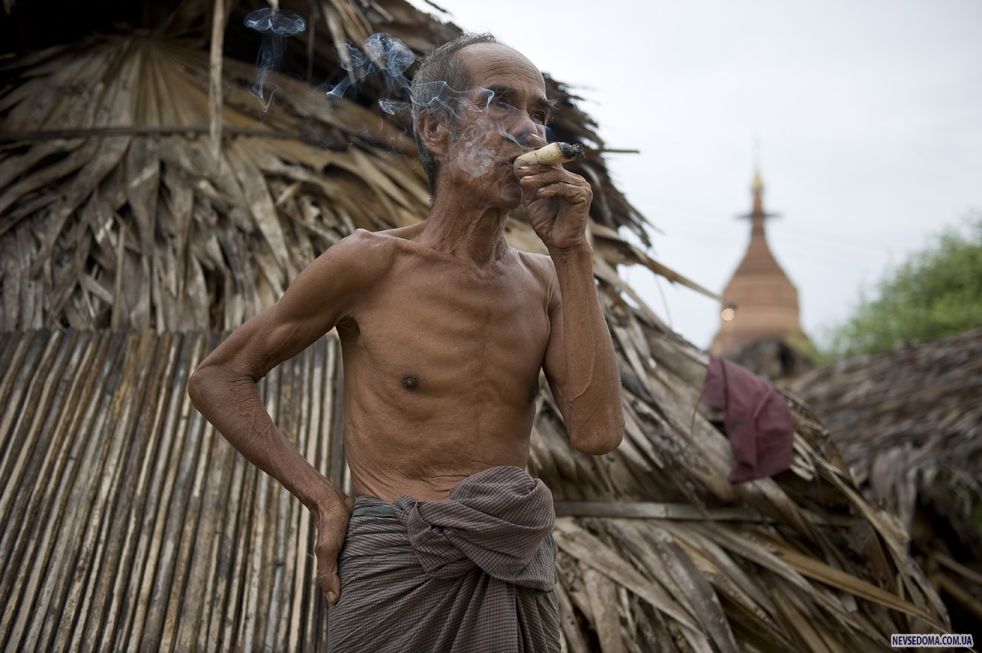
point(128, 154)
point(909, 423)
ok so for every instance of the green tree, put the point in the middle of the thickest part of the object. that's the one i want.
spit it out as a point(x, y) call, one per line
point(934, 293)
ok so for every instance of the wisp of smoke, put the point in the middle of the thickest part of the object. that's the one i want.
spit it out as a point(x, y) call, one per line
point(389, 57)
point(275, 26)
point(381, 54)
point(431, 95)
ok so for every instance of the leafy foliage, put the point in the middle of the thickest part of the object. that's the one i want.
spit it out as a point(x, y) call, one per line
point(935, 293)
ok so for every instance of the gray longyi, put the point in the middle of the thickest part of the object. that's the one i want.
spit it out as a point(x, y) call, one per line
point(473, 573)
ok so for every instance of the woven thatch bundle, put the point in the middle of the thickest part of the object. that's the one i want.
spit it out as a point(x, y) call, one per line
point(909, 424)
point(121, 206)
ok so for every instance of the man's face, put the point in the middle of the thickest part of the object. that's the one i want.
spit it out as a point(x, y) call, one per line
point(505, 115)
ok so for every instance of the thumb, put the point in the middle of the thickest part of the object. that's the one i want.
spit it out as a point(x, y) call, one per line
point(330, 584)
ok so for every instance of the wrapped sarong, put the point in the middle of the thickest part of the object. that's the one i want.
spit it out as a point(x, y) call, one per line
point(475, 572)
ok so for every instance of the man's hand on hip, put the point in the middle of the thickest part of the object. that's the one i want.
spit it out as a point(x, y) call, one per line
point(332, 525)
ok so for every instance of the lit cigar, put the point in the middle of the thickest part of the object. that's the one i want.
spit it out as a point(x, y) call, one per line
point(551, 155)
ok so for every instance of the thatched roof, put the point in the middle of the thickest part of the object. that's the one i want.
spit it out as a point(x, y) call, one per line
point(119, 210)
point(909, 424)
point(108, 139)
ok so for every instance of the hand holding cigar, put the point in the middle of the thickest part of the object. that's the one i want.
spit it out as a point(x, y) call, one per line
point(551, 155)
point(556, 200)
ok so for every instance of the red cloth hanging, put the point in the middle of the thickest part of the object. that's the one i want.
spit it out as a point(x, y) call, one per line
point(756, 418)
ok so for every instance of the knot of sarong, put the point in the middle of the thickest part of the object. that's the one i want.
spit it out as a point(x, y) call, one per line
point(498, 519)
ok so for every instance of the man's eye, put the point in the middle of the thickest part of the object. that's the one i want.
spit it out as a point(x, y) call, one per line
point(501, 102)
point(539, 116)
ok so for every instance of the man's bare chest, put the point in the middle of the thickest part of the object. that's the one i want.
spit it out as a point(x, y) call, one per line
point(436, 327)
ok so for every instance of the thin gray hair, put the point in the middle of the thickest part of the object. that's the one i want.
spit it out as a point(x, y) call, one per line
point(441, 65)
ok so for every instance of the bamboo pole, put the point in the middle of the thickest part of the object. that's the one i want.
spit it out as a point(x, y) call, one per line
point(145, 590)
point(195, 607)
point(215, 102)
point(654, 510)
point(253, 538)
point(23, 582)
point(212, 519)
point(240, 548)
point(16, 420)
point(37, 531)
point(187, 535)
point(292, 567)
point(119, 435)
point(43, 499)
point(126, 440)
point(65, 432)
point(300, 620)
point(38, 391)
point(77, 442)
point(331, 459)
point(291, 403)
point(224, 596)
point(14, 349)
point(72, 556)
point(121, 610)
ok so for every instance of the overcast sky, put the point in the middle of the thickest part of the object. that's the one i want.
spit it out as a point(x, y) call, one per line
point(868, 115)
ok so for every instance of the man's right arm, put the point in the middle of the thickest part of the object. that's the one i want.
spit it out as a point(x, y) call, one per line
point(223, 387)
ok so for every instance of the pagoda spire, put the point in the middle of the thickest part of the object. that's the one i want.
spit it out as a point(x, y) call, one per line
point(760, 301)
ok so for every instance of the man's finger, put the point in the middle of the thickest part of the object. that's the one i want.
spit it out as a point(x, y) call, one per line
point(526, 169)
point(546, 175)
point(571, 192)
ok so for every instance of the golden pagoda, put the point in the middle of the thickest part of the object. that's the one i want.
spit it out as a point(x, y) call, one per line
point(760, 302)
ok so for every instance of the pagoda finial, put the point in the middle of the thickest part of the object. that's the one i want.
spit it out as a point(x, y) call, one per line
point(758, 183)
point(758, 189)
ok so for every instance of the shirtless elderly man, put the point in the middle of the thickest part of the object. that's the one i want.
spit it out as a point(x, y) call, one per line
point(444, 327)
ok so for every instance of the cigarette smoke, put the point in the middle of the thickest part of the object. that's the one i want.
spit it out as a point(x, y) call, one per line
point(383, 55)
point(275, 26)
point(387, 57)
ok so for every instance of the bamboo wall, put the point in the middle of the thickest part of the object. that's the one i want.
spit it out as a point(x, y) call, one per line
point(127, 522)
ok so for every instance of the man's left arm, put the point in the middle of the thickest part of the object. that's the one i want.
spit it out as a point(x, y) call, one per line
point(580, 362)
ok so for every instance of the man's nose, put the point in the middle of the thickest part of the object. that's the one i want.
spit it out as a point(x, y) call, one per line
point(537, 138)
point(531, 133)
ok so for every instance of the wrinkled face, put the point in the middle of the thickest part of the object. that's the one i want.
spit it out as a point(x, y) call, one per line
point(506, 114)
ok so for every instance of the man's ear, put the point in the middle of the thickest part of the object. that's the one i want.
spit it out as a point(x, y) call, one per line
point(432, 130)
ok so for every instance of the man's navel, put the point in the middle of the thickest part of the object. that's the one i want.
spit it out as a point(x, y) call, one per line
point(410, 381)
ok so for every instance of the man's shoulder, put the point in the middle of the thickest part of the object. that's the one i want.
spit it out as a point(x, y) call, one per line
point(372, 254)
point(540, 265)
point(369, 247)
point(359, 258)
point(363, 241)
point(542, 268)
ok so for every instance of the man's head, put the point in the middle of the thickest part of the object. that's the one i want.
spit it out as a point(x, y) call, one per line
point(476, 100)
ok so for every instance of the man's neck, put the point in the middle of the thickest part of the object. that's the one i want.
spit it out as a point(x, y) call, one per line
point(461, 226)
